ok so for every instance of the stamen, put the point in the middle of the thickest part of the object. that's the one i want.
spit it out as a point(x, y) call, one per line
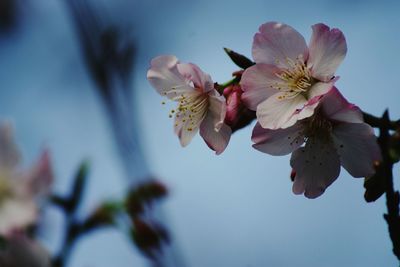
point(295, 80)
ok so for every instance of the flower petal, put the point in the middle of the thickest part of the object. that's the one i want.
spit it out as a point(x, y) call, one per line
point(164, 76)
point(317, 166)
point(305, 112)
point(275, 113)
point(187, 125)
point(357, 147)
point(216, 140)
point(216, 108)
point(275, 42)
point(320, 88)
point(337, 108)
point(327, 50)
point(278, 142)
point(38, 180)
point(257, 84)
point(194, 74)
point(16, 215)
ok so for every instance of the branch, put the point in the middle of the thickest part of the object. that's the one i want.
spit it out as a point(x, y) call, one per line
point(377, 122)
point(392, 197)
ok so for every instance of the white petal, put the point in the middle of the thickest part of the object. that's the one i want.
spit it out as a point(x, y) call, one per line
point(337, 108)
point(327, 50)
point(357, 147)
point(16, 214)
point(187, 123)
point(194, 74)
point(275, 42)
point(216, 140)
point(316, 165)
point(275, 113)
point(164, 76)
point(278, 142)
point(257, 84)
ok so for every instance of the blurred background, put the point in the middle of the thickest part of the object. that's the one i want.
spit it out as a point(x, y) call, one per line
point(232, 210)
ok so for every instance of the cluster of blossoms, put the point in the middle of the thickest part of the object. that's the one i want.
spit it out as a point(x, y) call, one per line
point(20, 194)
point(291, 88)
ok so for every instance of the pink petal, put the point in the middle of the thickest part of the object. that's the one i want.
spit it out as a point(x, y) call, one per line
point(275, 113)
point(216, 108)
point(278, 142)
point(307, 111)
point(357, 147)
point(336, 107)
point(275, 42)
point(327, 50)
point(316, 165)
point(184, 134)
point(194, 74)
point(216, 140)
point(257, 84)
point(39, 179)
point(164, 76)
point(320, 88)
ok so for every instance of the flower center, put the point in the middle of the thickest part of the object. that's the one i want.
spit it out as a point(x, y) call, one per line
point(319, 127)
point(295, 79)
point(191, 109)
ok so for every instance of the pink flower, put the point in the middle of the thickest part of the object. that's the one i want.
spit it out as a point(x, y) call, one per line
point(20, 251)
point(200, 106)
point(234, 105)
point(19, 191)
point(288, 73)
point(335, 135)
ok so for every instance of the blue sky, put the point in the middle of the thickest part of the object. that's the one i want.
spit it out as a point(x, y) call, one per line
point(233, 210)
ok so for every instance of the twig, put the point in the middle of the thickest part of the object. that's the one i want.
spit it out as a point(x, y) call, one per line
point(392, 197)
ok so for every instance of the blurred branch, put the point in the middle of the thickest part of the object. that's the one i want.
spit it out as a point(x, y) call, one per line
point(109, 55)
point(103, 216)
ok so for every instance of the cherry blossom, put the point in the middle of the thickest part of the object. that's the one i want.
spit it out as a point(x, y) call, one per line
point(19, 190)
point(334, 136)
point(200, 106)
point(288, 73)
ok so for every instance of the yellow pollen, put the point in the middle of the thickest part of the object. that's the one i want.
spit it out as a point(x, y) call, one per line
point(295, 79)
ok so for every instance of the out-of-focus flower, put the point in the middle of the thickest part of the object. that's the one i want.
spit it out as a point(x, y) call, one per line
point(19, 190)
point(335, 135)
point(149, 237)
point(142, 196)
point(200, 106)
point(20, 251)
point(288, 73)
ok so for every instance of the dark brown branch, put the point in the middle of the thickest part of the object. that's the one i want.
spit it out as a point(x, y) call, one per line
point(392, 197)
point(377, 122)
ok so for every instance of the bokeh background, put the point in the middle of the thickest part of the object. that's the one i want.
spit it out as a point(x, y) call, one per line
point(232, 210)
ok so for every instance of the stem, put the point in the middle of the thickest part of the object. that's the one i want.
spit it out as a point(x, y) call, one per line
point(73, 233)
point(220, 87)
point(392, 197)
point(377, 122)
